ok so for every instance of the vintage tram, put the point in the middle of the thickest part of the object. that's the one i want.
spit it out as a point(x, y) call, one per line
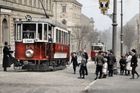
point(41, 44)
point(95, 48)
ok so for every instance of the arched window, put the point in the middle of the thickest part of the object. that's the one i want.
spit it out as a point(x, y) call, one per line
point(5, 33)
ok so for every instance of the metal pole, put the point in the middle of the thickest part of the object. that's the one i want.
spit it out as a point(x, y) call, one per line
point(121, 35)
point(114, 24)
point(44, 9)
point(138, 29)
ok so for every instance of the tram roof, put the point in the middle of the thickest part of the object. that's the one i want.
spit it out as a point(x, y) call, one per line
point(97, 44)
point(49, 21)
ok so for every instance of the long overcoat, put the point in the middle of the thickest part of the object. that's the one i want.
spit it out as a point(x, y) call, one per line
point(6, 59)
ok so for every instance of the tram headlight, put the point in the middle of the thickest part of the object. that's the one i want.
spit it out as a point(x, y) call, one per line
point(29, 53)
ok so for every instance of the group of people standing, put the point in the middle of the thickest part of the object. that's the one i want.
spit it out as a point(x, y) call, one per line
point(83, 65)
point(129, 63)
point(104, 64)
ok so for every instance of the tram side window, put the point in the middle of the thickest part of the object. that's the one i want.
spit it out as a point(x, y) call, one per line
point(45, 32)
point(40, 31)
point(18, 35)
point(57, 36)
point(68, 38)
point(49, 31)
point(64, 38)
point(29, 31)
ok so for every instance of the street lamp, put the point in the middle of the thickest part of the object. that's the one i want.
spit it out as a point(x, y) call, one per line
point(138, 28)
point(114, 24)
point(114, 21)
point(121, 34)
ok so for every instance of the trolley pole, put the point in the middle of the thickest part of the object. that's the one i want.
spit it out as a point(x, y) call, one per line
point(114, 24)
point(121, 34)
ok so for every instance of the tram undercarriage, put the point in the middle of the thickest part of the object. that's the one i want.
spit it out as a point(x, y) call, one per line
point(46, 65)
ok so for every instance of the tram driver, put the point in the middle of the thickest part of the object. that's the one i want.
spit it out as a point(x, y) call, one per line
point(28, 35)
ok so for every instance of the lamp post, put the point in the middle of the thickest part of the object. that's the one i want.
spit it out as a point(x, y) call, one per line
point(114, 24)
point(138, 28)
point(121, 34)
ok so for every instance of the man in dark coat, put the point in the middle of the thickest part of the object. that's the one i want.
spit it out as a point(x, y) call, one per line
point(99, 64)
point(86, 57)
point(6, 54)
point(111, 62)
point(74, 62)
point(134, 64)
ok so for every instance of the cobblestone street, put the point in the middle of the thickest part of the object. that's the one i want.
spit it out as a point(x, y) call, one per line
point(62, 81)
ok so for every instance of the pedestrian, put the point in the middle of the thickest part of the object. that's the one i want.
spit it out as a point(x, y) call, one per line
point(99, 65)
point(111, 62)
point(122, 65)
point(6, 56)
point(82, 70)
point(105, 68)
point(74, 62)
point(86, 57)
point(128, 63)
point(134, 64)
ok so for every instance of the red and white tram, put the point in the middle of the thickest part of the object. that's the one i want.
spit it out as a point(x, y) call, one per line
point(41, 44)
point(95, 48)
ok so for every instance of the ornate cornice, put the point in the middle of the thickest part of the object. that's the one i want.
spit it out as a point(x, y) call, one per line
point(71, 1)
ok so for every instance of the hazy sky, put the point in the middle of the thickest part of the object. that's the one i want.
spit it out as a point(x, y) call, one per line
point(102, 22)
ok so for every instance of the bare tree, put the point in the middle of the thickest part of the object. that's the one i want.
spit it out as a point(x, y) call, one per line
point(84, 35)
point(129, 36)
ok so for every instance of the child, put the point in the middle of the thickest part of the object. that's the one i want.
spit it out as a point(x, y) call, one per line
point(105, 66)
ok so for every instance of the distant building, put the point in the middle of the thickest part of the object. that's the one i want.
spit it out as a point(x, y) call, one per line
point(69, 13)
point(12, 10)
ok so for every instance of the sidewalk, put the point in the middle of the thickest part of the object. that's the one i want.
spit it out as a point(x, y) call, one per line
point(116, 84)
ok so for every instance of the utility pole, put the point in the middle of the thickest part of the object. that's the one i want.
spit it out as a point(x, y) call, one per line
point(121, 34)
point(138, 28)
point(114, 24)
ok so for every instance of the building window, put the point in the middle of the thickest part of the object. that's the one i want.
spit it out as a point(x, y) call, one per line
point(30, 2)
point(46, 7)
point(20, 1)
point(25, 2)
point(34, 3)
point(64, 9)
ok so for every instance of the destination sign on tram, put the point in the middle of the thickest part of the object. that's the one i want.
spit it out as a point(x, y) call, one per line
point(28, 40)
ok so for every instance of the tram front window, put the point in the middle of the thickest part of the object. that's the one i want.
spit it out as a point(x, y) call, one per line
point(97, 48)
point(28, 34)
point(29, 31)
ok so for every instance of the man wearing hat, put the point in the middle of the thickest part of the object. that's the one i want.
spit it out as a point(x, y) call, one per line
point(134, 64)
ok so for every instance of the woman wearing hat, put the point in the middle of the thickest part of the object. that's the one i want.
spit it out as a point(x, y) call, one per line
point(134, 64)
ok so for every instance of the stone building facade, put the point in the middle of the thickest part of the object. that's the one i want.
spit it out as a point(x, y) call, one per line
point(12, 10)
point(69, 12)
